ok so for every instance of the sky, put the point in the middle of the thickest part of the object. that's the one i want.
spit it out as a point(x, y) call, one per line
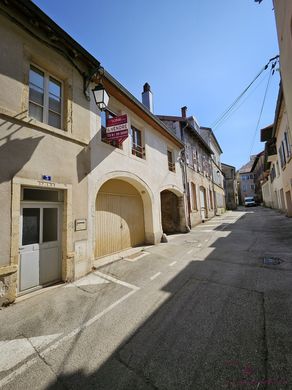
point(195, 53)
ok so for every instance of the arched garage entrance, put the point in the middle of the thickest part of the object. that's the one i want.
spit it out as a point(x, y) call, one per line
point(119, 217)
point(172, 212)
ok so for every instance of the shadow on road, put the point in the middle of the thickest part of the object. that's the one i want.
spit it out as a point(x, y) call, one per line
point(225, 324)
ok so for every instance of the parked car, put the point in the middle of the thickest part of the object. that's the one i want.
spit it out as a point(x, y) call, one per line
point(249, 201)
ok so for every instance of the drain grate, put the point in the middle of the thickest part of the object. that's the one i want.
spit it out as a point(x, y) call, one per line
point(272, 260)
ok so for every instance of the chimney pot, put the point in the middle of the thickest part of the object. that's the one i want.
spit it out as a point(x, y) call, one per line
point(147, 97)
point(146, 88)
point(184, 112)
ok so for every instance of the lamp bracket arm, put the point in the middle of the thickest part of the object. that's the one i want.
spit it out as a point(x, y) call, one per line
point(87, 78)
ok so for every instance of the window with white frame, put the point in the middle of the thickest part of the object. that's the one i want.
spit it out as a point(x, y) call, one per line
point(45, 97)
point(287, 144)
point(137, 143)
point(195, 157)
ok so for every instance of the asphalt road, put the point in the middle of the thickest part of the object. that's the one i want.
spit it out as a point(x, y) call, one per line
point(202, 311)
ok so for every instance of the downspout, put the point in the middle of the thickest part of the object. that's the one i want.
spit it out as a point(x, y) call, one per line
point(214, 192)
point(183, 163)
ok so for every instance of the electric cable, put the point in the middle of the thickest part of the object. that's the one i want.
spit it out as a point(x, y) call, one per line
point(262, 108)
point(227, 111)
point(236, 108)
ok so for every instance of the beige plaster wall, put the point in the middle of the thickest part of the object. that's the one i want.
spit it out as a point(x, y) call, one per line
point(28, 148)
point(286, 171)
point(149, 175)
point(283, 14)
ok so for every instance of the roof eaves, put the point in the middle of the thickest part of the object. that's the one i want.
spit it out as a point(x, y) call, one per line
point(128, 94)
point(199, 137)
point(278, 108)
point(35, 11)
point(213, 135)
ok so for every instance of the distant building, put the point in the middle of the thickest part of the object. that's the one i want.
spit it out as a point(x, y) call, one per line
point(258, 171)
point(217, 174)
point(246, 180)
point(230, 186)
point(196, 159)
point(277, 186)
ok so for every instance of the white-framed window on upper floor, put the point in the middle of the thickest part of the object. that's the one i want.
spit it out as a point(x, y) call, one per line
point(45, 97)
point(282, 155)
point(170, 159)
point(195, 157)
point(137, 144)
point(287, 143)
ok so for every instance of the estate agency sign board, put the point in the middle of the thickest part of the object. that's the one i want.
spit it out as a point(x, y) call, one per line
point(117, 129)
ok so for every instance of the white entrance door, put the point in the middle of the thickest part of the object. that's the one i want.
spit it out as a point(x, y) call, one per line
point(203, 204)
point(40, 245)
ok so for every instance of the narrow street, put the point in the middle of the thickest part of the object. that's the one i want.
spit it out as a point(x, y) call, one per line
point(202, 311)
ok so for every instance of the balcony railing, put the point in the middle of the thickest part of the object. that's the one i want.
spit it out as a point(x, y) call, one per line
point(138, 150)
point(171, 166)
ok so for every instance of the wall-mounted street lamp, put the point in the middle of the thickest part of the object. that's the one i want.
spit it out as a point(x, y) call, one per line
point(101, 97)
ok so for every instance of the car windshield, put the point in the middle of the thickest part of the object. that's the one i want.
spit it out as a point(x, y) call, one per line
point(249, 199)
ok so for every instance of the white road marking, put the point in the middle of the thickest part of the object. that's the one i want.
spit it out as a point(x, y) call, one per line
point(173, 263)
point(88, 280)
point(15, 351)
point(136, 258)
point(199, 245)
point(114, 280)
point(155, 276)
point(189, 252)
point(29, 350)
point(206, 240)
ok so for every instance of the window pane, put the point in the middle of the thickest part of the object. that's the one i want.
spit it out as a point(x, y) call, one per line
point(36, 95)
point(54, 120)
point(55, 103)
point(30, 226)
point(54, 95)
point(50, 224)
point(103, 118)
point(36, 77)
point(138, 137)
point(55, 87)
point(36, 112)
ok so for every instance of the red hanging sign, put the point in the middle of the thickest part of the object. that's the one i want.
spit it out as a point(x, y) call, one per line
point(117, 129)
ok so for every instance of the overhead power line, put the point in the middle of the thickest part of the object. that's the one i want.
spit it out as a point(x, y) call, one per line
point(226, 113)
point(262, 108)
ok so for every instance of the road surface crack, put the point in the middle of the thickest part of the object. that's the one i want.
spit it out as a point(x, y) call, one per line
point(43, 359)
point(139, 373)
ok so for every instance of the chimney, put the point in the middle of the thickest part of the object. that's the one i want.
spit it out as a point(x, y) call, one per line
point(147, 97)
point(184, 112)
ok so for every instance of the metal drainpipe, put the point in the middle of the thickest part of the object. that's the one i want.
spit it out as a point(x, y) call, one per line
point(183, 163)
point(214, 192)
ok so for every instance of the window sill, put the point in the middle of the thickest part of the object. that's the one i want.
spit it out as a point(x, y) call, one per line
point(136, 158)
point(23, 118)
point(111, 147)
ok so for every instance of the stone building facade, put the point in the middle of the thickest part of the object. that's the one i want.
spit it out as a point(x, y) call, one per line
point(68, 198)
point(204, 190)
point(230, 186)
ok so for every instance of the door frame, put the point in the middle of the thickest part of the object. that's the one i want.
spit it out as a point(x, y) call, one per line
point(41, 205)
point(67, 227)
